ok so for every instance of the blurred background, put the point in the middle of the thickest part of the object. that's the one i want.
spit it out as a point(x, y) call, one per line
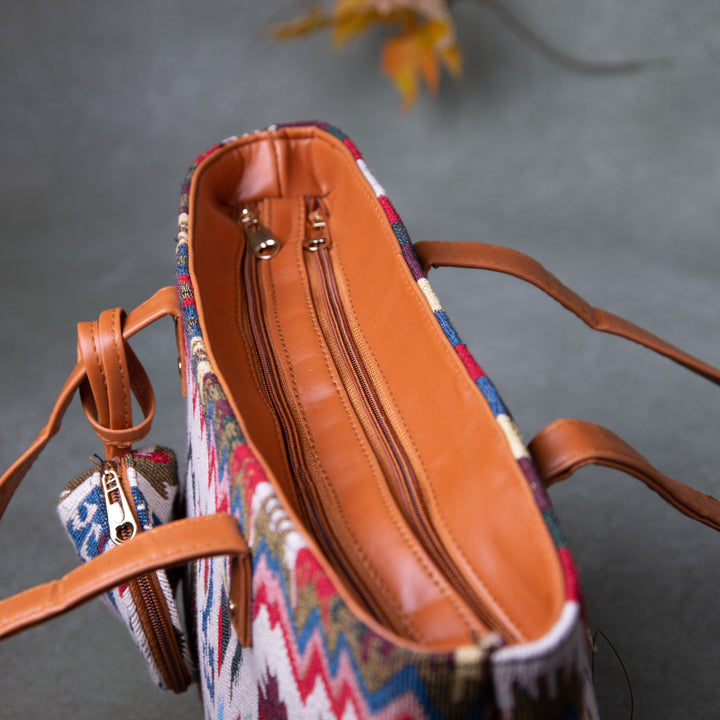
point(612, 180)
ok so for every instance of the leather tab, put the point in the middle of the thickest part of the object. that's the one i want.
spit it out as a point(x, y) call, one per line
point(113, 371)
point(565, 446)
point(165, 546)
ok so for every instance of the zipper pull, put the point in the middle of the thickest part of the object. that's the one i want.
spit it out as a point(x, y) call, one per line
point(316, 232)
point(263, 244)
point(120, 518)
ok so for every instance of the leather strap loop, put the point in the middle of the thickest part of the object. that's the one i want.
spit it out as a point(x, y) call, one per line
point(101, 348)
point(90, 357)
point(115, 434)
point(163, 302)
point(565, 446)
point(501, 259)
point(175, 543)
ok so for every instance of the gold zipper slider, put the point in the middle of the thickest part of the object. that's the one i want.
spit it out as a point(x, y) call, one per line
point(263, 244)
point(317, 236)
point(120, 518)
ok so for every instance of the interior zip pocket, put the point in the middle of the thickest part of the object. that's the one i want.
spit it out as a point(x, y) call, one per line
point(261, 246)
point(369, 408)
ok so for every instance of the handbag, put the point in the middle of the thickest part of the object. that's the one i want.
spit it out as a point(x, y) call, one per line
point(365, 533)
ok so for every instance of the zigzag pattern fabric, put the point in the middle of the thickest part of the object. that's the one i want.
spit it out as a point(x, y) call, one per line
point(311, 657)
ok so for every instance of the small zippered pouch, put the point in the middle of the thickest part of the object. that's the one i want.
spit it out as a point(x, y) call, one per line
point(108, 505)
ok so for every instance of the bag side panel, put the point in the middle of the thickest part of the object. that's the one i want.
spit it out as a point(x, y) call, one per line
point(311, 657)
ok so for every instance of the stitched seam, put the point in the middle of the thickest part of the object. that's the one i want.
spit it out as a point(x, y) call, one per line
point(125, 380)
point(239, 320)
point(548, 549)
point(328, 488)
point(278, 174)
point(407, 437)
point(97, 358)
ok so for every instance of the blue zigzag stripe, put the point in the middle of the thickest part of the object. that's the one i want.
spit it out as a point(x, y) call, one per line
point(407, 679)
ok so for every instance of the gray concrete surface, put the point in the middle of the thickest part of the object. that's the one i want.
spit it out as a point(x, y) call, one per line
point(611, 181)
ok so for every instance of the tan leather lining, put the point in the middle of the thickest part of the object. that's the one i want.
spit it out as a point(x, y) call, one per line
point(383, 549)
point(468, 473)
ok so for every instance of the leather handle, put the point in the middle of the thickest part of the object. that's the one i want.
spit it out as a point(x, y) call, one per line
point(566, 445)
point(505, 260)
point(163, 302)
point(175, 543)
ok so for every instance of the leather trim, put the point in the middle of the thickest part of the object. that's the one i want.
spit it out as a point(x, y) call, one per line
point(163, 302)
point(113, 371)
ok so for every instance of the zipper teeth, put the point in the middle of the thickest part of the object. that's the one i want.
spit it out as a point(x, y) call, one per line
point(165, 650)
point(360, 373)
point(406, 484)
point(170, 666)
point(402, 469)
point(277, 398)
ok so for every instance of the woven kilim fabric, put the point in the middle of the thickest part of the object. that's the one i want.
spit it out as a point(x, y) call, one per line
point(151, 474)
point(311, 657)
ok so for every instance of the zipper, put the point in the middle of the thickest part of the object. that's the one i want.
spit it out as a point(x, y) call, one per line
point(121, 523)
point(369, 406)
point(277, 395)
point(145, 590)
point(264, 245)
point(370, 409)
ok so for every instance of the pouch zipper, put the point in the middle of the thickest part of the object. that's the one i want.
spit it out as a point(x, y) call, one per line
point(277, 396)
point(151, 605)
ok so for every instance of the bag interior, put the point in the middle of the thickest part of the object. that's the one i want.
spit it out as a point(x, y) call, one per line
point(476, 507)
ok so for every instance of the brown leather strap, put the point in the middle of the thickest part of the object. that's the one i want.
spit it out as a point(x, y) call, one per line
point(505, 260)
point(164, 302)
point(106, 373)
point(113, 371)
point(565, 446)
point(164, 546)
point(113, 374)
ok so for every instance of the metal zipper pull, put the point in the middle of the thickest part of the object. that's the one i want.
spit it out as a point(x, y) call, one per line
point(316, 233)
point(120, 518)
point(263, 244)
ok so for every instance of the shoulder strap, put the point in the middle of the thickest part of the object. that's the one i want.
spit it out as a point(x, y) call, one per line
point(567, 445)
point(505, 260)
point(164, 546)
